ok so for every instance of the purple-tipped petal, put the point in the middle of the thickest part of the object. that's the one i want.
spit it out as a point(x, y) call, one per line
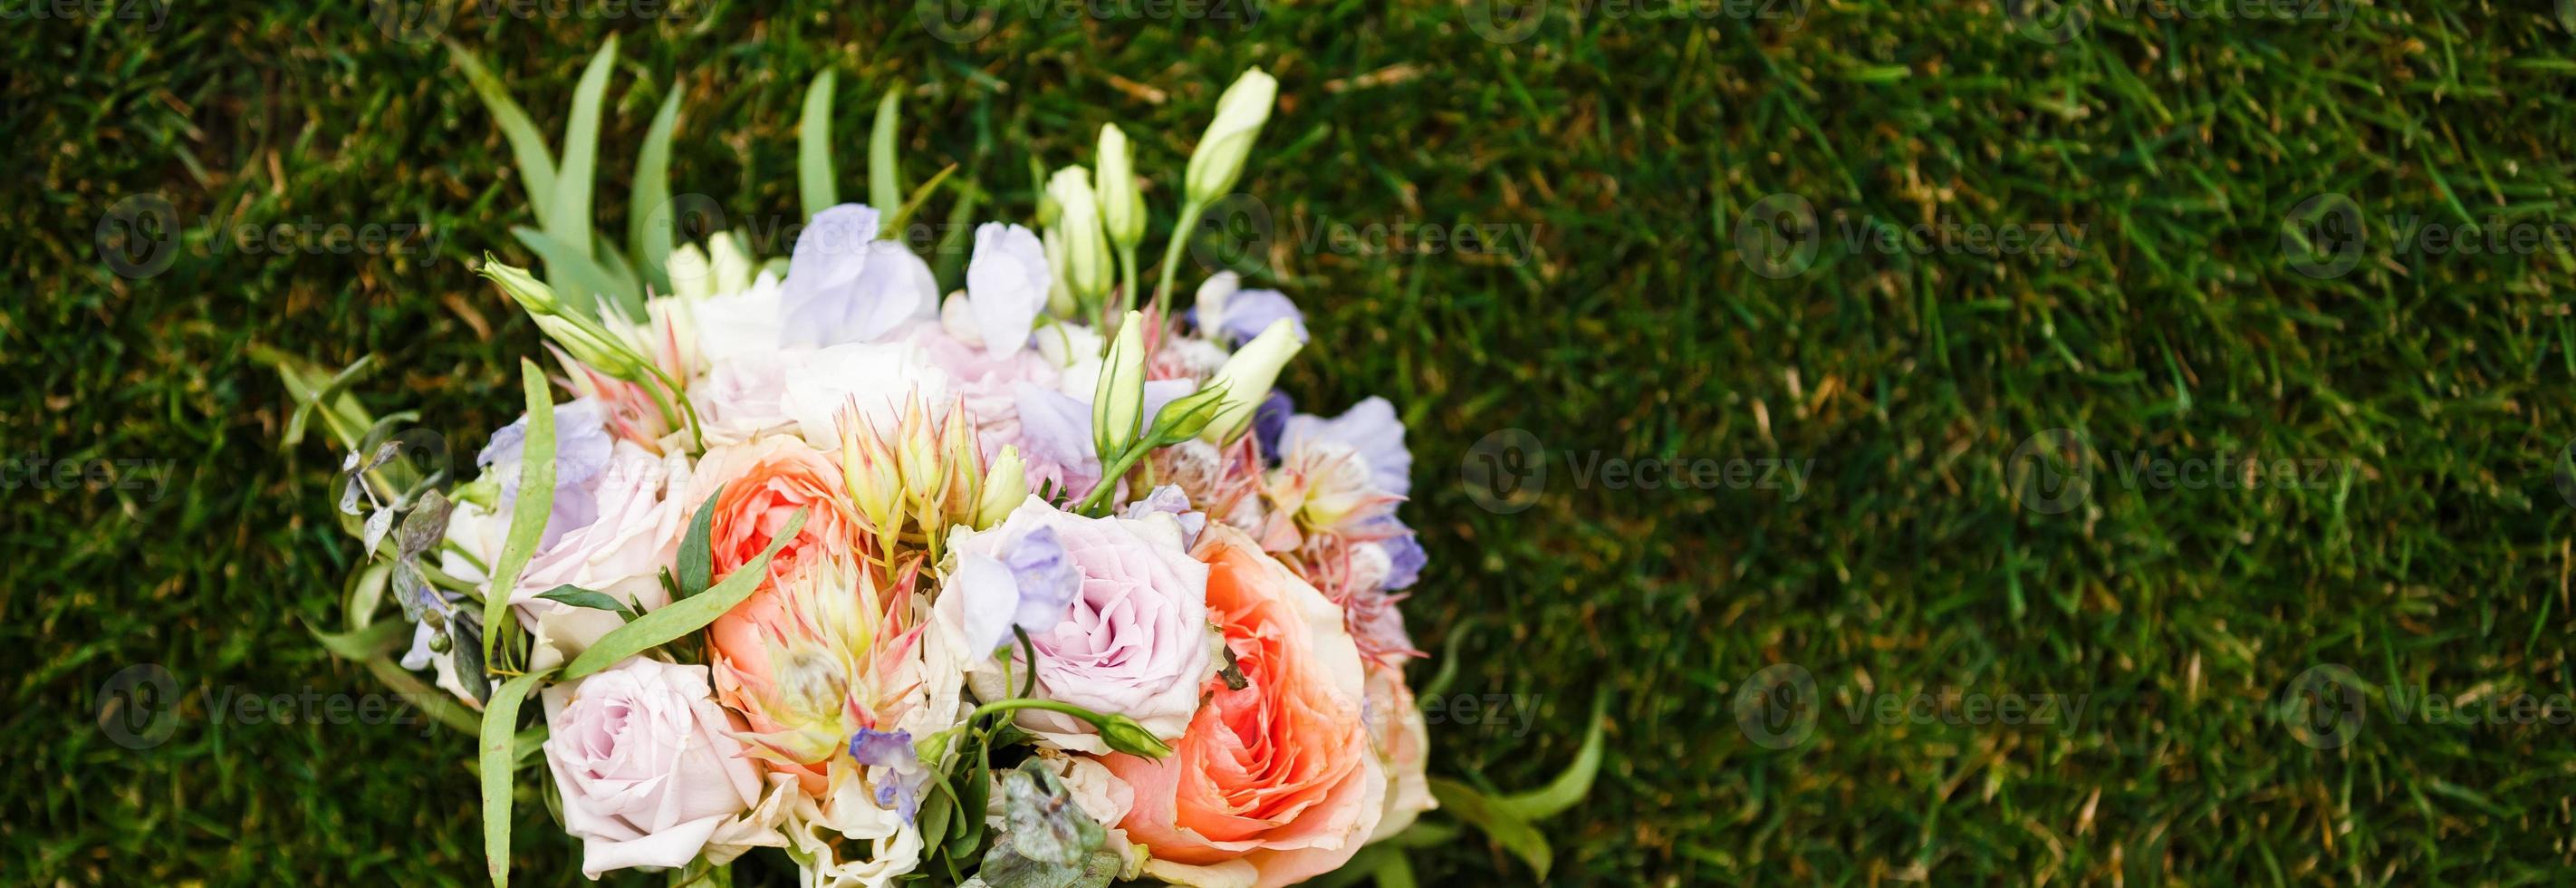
point(582, 451)
point(1268, 420)
point(1371, 430)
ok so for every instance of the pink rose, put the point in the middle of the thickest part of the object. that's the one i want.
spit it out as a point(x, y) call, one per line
point(646, 763)
point(622, 553)
point(1133, 639)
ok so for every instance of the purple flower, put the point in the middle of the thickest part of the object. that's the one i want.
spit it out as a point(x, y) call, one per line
point(582, 449)
point(893, 751)
point(1371, 431)
point(1405, 558)
point(1169, 498)
point(843, 285)
point(1028, 586)
point(1231, 315)
point(1268, 420)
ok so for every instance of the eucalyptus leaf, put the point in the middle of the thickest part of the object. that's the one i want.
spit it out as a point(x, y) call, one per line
point(377, 525)
point(814, 148)
point(498, 748)
point(1499, 823)
point(438, 703)
point(425, 527)
point(1570, 786)
point(580, 281)
point(362, 644)
point(567, 217)
point(528, 515)
point(682, 617)
point(697, 560)
point(580, 597)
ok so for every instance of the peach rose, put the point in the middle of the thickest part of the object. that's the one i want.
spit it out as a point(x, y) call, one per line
point(765, 481)
point(1275, 783)
point(1403, 741)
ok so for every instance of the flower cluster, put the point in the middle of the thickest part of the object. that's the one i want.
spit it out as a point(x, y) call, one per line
point(1035, 582)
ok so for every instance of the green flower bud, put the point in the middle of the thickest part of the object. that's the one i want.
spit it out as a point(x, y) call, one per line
point(1184, 418)
point(523, 288)
point(1118, 403)
point(691, 277)
point(1239, 116)
point(1085, 270)
point(1247, 378)
point(1125, 735)
point(1122, 206)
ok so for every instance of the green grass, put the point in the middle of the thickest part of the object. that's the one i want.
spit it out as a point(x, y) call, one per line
point(1626, 149)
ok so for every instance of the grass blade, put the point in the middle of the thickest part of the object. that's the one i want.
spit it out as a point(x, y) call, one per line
point(1498, 822)
point(814, 148)
point(527, 145)
point(498, 747)
point(1568, 787)
point(682, 617)
point(648, 213)
point(885, 176)
point(528, 515)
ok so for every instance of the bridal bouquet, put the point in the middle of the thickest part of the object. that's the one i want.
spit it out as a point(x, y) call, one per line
point(1034, 582)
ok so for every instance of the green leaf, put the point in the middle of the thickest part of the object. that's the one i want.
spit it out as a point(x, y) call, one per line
point(920, 196)
point(499, 755)
point(435, 701)
point(363, 644)
point(580, 597)
point(682, 617)
point(648, 210)
point(1499, 823)
point(528, 515)
point(567, 220)
point(697, 563)
point(885, 176)
point(1568, 787)
point(814, 148)
point(536, 164)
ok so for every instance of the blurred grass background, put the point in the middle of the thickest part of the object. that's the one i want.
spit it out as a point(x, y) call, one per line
point(1626, 142)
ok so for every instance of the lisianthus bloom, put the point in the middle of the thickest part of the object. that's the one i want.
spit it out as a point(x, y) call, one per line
point(648, 770)
point(1115, 608)
point(1275, 782)
point(764, 483)
point(622, 553)
point(845, 285)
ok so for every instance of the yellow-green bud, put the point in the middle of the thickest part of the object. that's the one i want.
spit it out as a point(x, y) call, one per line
point(1118, 402)
point(1247, 377)
point(1122, 206)
point(1239, 116)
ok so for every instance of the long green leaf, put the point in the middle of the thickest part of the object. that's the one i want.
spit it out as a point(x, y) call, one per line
point(438, 703)
point(361, 644)
point(1568, 787)
point(528, 515)
point(1498, 822)
point(498, 748)
point(814, 148)
point(697, 560)
point(903, 216)
point(885, 175)
point(567, 220)
point(648, 212)
point(536, 164)
point(682, 617)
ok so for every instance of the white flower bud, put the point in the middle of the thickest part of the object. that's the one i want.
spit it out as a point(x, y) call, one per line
point(1239, 116)
point(1247, 378)
point(1122, 206)
point(1085, 265)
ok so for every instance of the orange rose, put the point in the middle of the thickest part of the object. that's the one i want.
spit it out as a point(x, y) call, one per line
point(1275, 783)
